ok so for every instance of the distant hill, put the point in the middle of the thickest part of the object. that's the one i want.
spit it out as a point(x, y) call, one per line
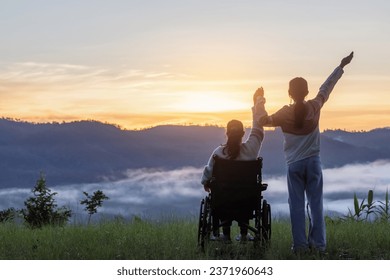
point(340, 147)
point(376, 139)
point(89, 151)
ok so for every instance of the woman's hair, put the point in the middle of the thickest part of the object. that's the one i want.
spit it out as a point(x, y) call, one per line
point(298, 90)
point(234, 132)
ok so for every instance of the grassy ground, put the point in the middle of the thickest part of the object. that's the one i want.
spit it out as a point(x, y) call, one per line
point(170, 240)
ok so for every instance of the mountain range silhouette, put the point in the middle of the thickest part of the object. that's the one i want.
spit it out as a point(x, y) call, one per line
point(91, 151)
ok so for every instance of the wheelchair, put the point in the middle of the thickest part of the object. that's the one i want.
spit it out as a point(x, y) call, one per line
point(236, 195)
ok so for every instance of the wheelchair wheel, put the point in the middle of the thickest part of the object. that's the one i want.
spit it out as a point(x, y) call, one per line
point(200, 220)
point(266, 221)
point(204, 221)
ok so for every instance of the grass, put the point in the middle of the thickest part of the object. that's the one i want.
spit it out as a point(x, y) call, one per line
point(108, 240)
point(177, 240)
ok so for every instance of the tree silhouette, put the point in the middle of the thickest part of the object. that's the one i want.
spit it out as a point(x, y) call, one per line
point(41, 209)
point(93, 202)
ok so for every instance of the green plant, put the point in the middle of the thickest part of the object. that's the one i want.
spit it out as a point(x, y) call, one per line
point(362, 210)
point(41, 209)
point(93, 202)
point(7, 215)
point(383, 209)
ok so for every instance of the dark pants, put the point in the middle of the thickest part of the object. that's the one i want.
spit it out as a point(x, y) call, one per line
point(227, 223)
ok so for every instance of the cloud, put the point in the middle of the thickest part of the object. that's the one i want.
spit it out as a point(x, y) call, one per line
point(340, 185)
point(156, 193)
point(145, 192)
point(60, 91)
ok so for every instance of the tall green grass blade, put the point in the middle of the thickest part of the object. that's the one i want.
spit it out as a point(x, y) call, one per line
point(370, 197)
point(356, 205)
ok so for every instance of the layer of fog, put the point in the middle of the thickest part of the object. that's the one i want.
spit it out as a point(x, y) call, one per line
point(155, 193)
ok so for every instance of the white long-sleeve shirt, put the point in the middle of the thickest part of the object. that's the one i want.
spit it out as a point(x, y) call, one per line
point(305, 142)
point(249, 149)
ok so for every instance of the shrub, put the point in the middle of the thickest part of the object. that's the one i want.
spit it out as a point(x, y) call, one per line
point(7, 215)
point(41, 208)
point(93, 202)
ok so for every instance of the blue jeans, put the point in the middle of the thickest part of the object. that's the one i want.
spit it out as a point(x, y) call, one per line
point(305, 177)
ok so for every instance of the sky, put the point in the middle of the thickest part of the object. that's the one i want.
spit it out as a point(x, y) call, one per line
point(142, 63)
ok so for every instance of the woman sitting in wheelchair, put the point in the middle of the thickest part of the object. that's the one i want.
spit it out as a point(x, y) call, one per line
point(236, 149)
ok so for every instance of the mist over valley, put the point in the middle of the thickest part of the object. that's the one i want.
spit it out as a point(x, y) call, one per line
point(156, 172)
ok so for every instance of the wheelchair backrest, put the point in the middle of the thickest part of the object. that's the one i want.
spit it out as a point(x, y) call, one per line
point(236, 185)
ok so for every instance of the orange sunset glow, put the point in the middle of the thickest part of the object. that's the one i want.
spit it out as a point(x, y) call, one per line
point(139, 65)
